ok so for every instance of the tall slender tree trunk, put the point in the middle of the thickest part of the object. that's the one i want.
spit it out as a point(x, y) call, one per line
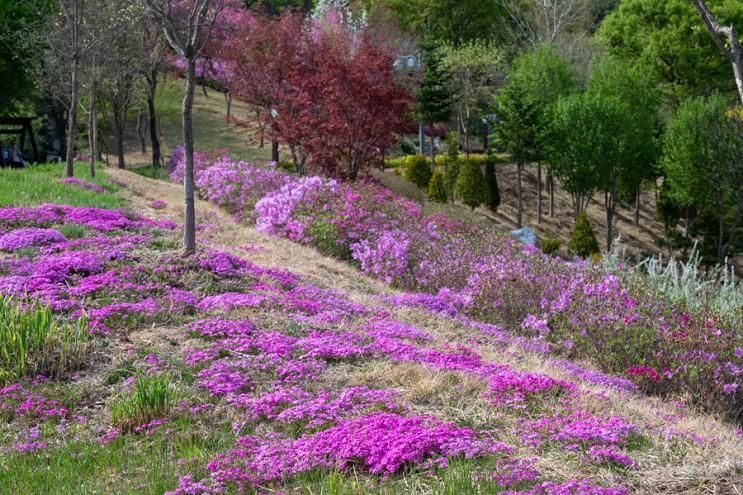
point(119, 131)
point(433, 149)
point(520, 208)
point(275, 157)
point(228, 101)
point(610, 200)
point(142, 131)
point(189, 219)
point(72, 117)
point(551, 188)
point(154, 138)
point(637, 205)
point(720, 231)
point(93, 128)
point(539, 192)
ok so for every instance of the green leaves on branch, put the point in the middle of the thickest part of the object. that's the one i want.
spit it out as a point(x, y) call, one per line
point(669, 37)
point(703, 164)
point(535, 81)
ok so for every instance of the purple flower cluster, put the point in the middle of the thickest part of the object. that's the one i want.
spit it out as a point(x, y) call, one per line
point(495, 280)
point(380, 442)
point(83, 184)
point(29, 237)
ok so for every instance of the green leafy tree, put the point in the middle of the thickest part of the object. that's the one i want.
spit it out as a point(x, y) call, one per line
point(635, 152)
point(20, 32)
point(534, 82)
point(470, 185)
point(581, 139)
point(703, 163)
point(475, 68)
point(453, 21)
point(670, 37)
point(437, 188)
point(491, 180)
point(434, 97)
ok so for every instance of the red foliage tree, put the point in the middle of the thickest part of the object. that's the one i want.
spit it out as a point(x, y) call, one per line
point(330, 93)
point(263, 53)
point(357, 106)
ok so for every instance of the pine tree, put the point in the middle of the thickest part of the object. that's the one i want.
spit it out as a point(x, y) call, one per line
point(583, 241)
point(452, 163)
point(471, 185)
point(434, 94)
point(437, 188)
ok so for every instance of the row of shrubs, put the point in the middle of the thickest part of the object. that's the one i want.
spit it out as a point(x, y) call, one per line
point(453, 178)
point(458, 177)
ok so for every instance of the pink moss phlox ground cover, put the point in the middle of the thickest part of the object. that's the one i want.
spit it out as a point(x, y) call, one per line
point(469, 272)
point(17, 401)
point(381, 442)
point(82, 184)
point(267, 379)
point(29, 237)
point(96, 218)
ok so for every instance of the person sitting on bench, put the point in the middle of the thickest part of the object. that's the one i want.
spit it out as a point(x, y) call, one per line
point(16, 156)
point(4, 155)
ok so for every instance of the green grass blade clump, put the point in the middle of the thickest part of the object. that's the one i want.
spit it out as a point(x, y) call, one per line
point(152, 397)
point(33, 341)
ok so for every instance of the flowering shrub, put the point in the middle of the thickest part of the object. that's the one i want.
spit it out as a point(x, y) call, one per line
point(237, 186)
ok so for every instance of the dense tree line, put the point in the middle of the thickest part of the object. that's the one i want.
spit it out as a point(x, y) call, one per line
point(602, 97)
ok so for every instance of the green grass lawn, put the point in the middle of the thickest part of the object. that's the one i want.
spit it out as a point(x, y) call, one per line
point(40, 184)
point(211, 129)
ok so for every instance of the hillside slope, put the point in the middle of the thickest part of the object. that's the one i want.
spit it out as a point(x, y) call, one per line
point(685, 452)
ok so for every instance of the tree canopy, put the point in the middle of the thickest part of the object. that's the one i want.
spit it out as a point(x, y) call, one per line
point(670, 38)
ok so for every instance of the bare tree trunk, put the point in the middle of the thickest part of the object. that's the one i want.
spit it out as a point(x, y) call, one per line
point(720, 239)
point(734, 52)
point(433, 150)
point(551, 187)
point(118, 121)
point(539, 192)
point(72, 117)
point(610, 201)
point(189, 220)
point(93, 128)
point(520, 209)
point(637, 206)
point(274, 145)
point(142, 131)
point(154, 138)
point(228, 101)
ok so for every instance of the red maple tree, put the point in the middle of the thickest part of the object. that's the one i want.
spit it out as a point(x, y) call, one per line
point(330, 93)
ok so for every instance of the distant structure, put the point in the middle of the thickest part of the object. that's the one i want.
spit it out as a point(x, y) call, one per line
point(20, 126)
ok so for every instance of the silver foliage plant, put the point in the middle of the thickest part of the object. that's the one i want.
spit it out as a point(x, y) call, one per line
point(683, 282)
